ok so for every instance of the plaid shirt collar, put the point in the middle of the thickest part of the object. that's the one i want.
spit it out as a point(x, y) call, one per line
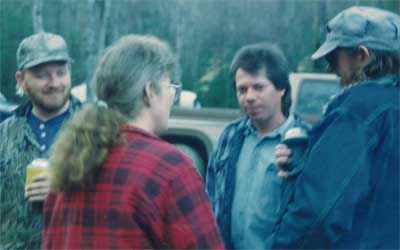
point(135, 129)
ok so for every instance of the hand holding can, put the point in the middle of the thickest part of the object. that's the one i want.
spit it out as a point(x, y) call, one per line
point(37, 183)
point(296, 139)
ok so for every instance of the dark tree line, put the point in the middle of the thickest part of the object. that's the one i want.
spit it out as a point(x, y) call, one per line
point(204, 33)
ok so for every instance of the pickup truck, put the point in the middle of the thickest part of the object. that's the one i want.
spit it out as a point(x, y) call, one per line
point(196, 131)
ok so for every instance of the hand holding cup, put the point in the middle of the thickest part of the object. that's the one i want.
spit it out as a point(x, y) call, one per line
point(37, 184)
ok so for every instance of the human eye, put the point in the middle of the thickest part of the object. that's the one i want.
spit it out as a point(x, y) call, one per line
point(40, 74)
point(241, 90)
point(259, 87)
point(62, 72)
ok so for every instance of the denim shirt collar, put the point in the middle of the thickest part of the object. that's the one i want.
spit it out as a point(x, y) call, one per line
point(278, 132)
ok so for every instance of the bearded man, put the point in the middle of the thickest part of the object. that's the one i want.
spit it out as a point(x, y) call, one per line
point(44, 76)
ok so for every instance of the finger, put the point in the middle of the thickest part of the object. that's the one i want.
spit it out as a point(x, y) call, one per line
point(37, 191)
point(29, 195)
point(37, 198)
point(282, 160)
point(38, 183)
point(32, 191)
point(283, 151)
point(282, 155)
point(281, 145)
point(283, 174)
point(41, 177)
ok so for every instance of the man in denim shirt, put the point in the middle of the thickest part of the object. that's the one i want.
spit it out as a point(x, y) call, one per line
point(347, 195)
point(242, 179)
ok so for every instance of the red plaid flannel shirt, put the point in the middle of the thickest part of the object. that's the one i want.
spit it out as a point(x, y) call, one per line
point(147, 196)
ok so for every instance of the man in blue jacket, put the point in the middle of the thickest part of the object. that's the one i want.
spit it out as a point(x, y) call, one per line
point(242, 180)
point(347, 195)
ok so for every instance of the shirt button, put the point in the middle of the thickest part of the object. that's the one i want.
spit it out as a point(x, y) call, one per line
point(41, 126)
point(43, 147)
point(43, 135)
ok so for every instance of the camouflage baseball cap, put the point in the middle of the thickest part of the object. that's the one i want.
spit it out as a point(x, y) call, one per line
point(41, 48)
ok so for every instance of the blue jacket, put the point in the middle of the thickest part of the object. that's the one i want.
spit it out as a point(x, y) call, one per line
point(347, 195)
point(220, 179)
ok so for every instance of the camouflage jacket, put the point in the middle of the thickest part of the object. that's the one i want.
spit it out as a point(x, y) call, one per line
point(20, 222)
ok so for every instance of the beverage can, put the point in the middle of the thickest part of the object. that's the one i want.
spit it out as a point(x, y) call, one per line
point(295, 133)
point(36, 167)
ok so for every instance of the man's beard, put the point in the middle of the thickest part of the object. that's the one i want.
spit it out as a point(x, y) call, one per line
point(356, 77)
point(42, 102)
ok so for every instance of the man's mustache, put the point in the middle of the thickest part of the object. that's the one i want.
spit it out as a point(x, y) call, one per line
point(51, 90)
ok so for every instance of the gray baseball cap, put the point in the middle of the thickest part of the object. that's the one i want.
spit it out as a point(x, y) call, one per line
point(41, 48)
point(355, 26)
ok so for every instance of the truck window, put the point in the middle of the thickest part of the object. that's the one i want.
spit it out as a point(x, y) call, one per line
point(314, 95)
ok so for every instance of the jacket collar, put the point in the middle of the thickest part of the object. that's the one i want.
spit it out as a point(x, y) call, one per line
point(293, 118)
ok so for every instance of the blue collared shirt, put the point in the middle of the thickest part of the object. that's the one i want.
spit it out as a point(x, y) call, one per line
point(46, 131)
point(258, 190)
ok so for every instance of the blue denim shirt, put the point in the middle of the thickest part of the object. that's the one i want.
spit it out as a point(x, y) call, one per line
point(258, 192)
point(221, 177)
point(347, 195)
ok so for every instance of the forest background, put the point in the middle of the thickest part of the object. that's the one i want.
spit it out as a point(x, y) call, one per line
point(205, 34)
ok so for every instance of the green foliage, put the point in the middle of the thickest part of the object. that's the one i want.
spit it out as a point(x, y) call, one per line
point(217, 80)
point(12, 16)
point(205, 33)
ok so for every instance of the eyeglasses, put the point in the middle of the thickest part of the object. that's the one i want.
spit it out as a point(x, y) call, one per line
point(175, 89)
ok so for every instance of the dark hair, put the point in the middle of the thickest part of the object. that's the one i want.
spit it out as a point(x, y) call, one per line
point(380, 63)
point(120, 79)
point(268, 57)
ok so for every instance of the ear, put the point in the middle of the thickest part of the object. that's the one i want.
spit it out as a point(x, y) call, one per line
point(19, 76)
point(282, 92)
point(363, 53)
point(148, 94)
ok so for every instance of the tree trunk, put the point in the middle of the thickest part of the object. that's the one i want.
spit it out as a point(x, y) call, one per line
point(37, 17)
point(98, 15)
point(180, 27)
point(103, 27)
